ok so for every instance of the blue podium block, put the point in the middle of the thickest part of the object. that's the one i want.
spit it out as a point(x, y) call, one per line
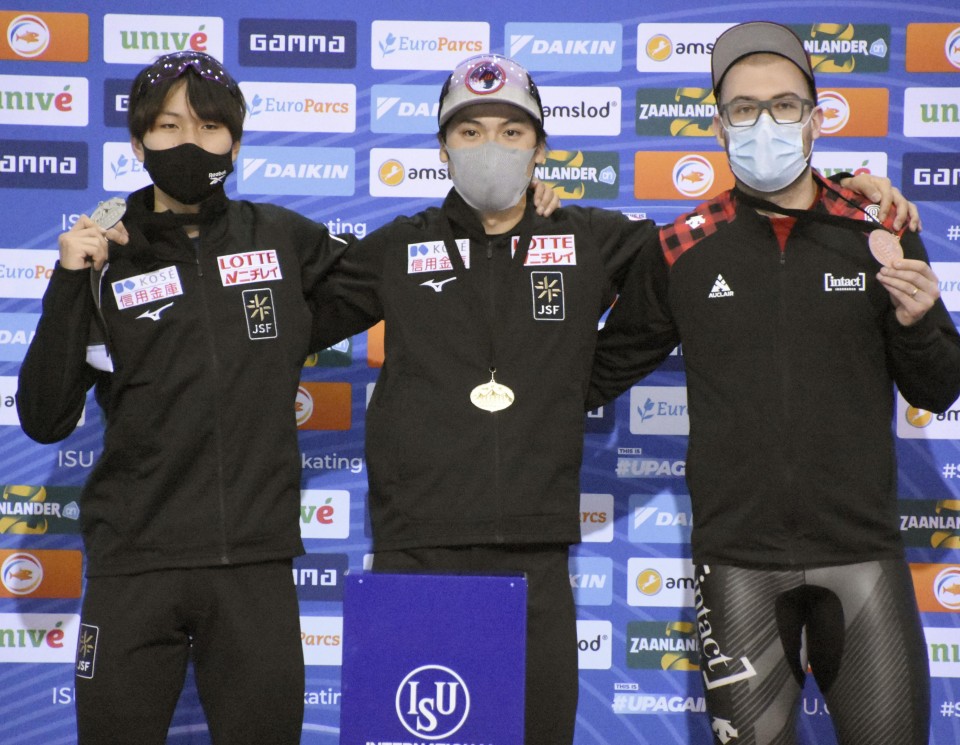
point(433, 659)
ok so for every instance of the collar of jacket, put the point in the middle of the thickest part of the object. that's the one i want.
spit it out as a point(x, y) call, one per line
point(160, 235)
point(462, 215)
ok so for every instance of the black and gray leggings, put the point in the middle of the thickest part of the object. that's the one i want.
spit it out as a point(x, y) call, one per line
point(856, 625)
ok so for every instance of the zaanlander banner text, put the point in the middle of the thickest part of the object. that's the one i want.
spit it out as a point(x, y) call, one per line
point(341, 123)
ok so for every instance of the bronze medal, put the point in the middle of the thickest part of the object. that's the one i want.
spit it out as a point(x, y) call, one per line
point(885, 247)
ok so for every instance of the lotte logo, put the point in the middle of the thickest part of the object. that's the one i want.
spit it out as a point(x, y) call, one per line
point(432, 702)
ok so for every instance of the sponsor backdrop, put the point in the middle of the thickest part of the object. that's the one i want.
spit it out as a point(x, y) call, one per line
point(341, 123)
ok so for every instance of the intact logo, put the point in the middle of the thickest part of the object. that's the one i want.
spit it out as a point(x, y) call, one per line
point(320, 576)
point(300, 42)
point(133, 292)
point(404, 109)
point(324, 406)
point(591, 579)
point(425, 45)
point(662, 583)
point(833, 283)
point(260, 313)
point(569, 47)
point(325, 513)
point(547, 296)
point(659, 410)
point(594, 645)
point(720, 288)
point(663, 518)
point(659, 645)
point(432, 702)
point(575, 174)
point(48, 37)
point(140, 39)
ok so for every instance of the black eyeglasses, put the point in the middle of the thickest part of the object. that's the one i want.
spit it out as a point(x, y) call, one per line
point(745, 112)
point(172, 66)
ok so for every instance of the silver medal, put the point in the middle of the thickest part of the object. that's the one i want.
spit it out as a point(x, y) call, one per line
point(491, 396)
point(107, 214)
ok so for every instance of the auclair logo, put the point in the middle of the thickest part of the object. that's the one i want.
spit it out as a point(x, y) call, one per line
point(140, 39)
point(832, 283)
point(425, 45)
point(433, 702)
point(566, 46)
point(298, 42)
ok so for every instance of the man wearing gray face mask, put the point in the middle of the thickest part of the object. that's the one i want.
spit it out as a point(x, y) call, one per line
point(798, 314)
point(474, 433)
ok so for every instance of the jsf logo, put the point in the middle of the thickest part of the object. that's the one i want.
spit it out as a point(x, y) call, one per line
point(433, 702)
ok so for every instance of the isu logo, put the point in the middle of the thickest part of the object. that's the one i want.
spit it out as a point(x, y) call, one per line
point(433, 702)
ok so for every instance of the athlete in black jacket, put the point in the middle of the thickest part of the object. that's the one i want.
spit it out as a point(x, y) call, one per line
point(190, 517)
point(793, 338)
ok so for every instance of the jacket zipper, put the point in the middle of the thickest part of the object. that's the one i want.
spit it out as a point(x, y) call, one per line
point(217, 428)
point(500, 538)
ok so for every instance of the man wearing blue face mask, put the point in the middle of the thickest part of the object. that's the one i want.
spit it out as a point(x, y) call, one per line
point(797, 314)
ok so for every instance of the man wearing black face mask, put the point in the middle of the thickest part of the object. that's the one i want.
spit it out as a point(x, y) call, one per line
point(797, 315)
point(190, 517)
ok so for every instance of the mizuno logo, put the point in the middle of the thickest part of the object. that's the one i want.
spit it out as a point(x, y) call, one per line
point(154, 315)
point(437, 284)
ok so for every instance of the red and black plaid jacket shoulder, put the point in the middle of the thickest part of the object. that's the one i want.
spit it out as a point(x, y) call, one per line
point(840, 204)
point(689, 229)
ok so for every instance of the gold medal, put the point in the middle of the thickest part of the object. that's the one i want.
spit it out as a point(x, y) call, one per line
point(885, 247)
point(491, 396)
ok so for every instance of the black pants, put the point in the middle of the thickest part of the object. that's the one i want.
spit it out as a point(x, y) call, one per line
point(239, 624)
point(856, 625)
point(550, 709)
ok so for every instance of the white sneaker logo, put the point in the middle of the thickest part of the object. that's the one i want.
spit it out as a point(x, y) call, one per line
point(720, 288)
